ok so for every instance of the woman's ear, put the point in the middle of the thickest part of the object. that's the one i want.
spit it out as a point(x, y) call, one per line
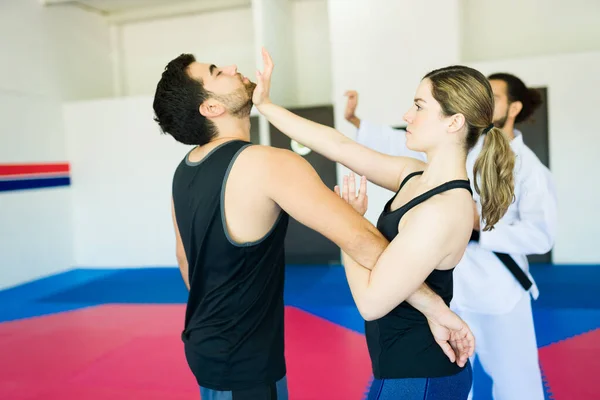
point(457, 121)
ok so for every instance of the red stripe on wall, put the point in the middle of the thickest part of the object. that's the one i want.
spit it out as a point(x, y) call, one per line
point(33, 176)
point(23, 169)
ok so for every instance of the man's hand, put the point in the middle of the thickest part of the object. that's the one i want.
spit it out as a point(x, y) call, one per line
point(453, 335)
point(351, 105)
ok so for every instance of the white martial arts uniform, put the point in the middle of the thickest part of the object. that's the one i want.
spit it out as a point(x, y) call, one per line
point(486, 294)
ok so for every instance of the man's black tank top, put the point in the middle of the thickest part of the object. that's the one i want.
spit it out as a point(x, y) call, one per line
point(401, 344)
point(233, 333)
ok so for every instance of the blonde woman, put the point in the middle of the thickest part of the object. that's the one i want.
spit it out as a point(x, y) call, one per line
point(428, 221)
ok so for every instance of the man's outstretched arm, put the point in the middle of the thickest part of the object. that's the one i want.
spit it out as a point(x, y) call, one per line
point(295, 186)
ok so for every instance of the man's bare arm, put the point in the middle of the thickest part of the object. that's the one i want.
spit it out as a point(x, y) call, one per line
point(427, 301)
point(293, 184)
point(298, 189)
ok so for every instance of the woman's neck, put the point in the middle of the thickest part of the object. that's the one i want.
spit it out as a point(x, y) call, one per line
point(445, 164)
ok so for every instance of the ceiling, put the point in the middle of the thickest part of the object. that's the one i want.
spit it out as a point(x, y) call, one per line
point(124, 11)
point(121, 11)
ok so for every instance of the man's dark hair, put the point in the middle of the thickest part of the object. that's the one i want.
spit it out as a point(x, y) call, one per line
point(177, 101)
point(517, 91)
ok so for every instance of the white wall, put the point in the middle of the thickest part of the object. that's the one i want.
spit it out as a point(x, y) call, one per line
point(273, 31)
point(122, 173)
point(382, 48)
point(312, 53)
point(56, 52)
point(44, 62)
point(574, 140)
point(493, 30)
point(228, 37)
point(221, 38)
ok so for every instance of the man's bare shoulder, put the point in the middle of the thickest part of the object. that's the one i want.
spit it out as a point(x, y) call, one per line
point(271, 160)
point(270, 152)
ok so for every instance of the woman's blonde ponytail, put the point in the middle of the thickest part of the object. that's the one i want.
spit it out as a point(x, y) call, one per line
point(493, 174)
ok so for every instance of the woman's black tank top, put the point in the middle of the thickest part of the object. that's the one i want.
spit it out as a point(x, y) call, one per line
point(401, 344)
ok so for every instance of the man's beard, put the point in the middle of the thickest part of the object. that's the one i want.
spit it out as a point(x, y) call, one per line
point(239, 102)
point(502, 121)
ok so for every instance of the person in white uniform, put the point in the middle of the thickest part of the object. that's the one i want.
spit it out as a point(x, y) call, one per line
point(495, 302)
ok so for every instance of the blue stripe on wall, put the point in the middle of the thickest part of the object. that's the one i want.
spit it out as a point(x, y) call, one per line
point(25, 184)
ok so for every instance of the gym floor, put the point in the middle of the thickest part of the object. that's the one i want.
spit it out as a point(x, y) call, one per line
point(114, 334)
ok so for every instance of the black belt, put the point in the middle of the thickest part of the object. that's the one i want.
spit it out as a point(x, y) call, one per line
point(510, 264)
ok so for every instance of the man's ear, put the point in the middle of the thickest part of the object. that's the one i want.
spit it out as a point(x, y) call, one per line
point(515, 108)
point(211, 109)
